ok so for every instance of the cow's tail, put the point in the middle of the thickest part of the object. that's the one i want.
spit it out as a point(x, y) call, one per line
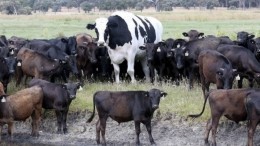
point(205, 101)
point(93, 114)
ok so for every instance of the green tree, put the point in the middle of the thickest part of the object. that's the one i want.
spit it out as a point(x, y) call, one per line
point(86, 6)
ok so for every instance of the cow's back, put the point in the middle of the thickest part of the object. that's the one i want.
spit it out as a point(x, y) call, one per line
point(25, 101)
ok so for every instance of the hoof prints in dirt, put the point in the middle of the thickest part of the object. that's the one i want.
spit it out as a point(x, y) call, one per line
point(166, 132)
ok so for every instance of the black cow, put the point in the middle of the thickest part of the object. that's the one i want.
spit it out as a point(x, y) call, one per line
point(124, 106)
point(215, 68)
point(16, 43)
point(4, 73)
point(57, 97)
point(193, 34)
point(243, 60)
point(68, 45)
point(4, 50)
point(257, 50)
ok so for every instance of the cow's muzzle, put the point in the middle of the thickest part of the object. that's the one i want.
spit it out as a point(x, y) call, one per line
point(155, 106)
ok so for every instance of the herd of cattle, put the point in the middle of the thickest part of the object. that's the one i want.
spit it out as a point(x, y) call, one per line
point(127, 43)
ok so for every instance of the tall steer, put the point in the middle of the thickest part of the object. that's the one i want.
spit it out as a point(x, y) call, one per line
point(231, 104)
point(123, 33)
point(20, 106)
point(215, 68)
point(57, 97)
point(124, 106)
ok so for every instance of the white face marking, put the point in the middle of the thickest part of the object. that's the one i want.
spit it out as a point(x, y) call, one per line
point(101, 25)
point(19, 64)
point(3, 99)
point(159, 49)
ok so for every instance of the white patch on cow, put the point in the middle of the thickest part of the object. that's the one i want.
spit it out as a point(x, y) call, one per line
point(237, 77)
point(101, 24)
point(19, 64)
point(187, 54)
point(12, 52)
point(3, 99)
point(80, 88)
point(158, 50)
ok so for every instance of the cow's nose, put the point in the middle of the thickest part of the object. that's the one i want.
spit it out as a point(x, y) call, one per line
point(72, 96)
point(101, 43)
point(11, 71)
point(155, 106)
point(94, 60)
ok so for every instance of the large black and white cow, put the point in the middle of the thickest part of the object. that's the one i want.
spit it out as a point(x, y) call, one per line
point(122, 33)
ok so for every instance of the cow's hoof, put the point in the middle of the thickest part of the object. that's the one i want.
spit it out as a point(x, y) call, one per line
point(59, 132)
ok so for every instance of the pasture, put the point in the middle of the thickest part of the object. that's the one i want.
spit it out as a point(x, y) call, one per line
point(180, 101)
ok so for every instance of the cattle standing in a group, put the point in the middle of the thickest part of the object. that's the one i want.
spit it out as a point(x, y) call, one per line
point(34, 64)
point(231, 104)
point(57, 97)
point(123, 33)
point(193, 34)
point(20, 106)
point(215, 68)
point(124, 106)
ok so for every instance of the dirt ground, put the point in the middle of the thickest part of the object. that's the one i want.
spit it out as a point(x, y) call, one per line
point(168, 130)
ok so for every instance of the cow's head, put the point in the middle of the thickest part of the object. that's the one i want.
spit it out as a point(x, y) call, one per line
point(155, 96)
point(72, 64)
point(101, 29)
point(225, 78)
point(179, 52)
point(16, 43)
point(193, 34)
point(243, 37)
point(71, 45)
point(11, 63)
point(72, 89)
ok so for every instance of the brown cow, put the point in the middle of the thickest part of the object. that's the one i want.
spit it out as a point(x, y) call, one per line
point(86, 54)
point(2, 91)
point(36, 65)
point(124, 106)
point(20, 106)
point(229, 103)
point(215, 68)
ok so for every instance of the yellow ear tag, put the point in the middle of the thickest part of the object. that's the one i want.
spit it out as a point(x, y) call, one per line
point(3, 100)
point(19, 64)
point(159, 49)
point(187, 54)
point(237, 77)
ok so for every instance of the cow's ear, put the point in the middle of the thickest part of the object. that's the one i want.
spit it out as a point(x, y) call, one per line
point(250, 36)
point(64, 40)
point(163, 94)
point(91, 26)
point(185, 34)
point(201, 34)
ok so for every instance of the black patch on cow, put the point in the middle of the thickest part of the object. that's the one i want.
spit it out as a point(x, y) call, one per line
point(97, 33)
point(118, 32)
point(150, 31)
point(136, 30)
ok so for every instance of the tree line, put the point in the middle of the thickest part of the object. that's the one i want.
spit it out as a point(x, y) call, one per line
point(16, 7)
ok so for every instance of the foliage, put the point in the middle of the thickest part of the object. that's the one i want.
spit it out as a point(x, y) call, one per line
point(86, 6)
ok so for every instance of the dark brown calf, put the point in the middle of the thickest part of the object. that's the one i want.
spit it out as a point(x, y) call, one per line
point(124, 106)
point(215, 68)
point(19, 106)
point(229, 103)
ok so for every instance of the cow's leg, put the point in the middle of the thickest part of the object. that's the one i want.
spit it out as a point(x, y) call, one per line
point(251, 130)
point(191, 74)
point(103, 121)
point(240, 82)
point(10, 129)
point(137, 131)
point(146, 71)
point(1, 127)
point(98, 131)
point(208, 128)
point(130, 69)
point(152, 72)
point(64, 121)
point(117, 71)
point(214, 122)
point(149, 130)
point(36, 117)
point(59, 119)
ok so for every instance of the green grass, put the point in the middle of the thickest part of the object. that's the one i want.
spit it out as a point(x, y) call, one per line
point(180, 101)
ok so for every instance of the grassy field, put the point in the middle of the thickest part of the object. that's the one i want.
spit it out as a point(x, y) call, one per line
point(180, 101)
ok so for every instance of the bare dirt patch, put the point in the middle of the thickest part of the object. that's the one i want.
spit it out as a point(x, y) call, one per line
point(167, 130)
